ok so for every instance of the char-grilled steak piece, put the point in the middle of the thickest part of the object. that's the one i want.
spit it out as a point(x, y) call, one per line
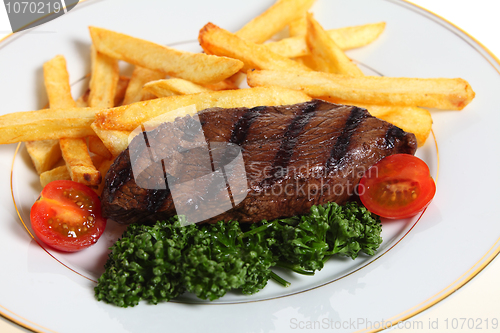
point(294, 157)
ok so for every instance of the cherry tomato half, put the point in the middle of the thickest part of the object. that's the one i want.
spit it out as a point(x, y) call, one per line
point(67, 216)
point(398, 186)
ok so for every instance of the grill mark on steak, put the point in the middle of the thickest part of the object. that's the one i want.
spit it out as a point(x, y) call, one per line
point(339, 150)
point(239, 134)
point(343, 140)
point(240, 130)
point(287, 147)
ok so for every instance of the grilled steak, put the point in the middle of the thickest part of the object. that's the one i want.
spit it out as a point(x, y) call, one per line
point(294, 157)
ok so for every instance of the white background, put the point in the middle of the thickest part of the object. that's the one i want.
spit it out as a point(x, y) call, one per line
point(479, 299)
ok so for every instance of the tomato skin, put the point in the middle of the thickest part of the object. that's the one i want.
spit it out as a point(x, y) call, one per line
point(398, 186)
point(67, 216)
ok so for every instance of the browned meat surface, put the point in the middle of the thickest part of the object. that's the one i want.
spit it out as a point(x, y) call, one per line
point(294, 157)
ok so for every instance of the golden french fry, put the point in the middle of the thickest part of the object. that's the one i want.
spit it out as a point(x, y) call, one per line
point(56, 79)
point(274, 19)
point(97, 147)
point(85, 174)
point(46, 124)
point(78, 161)
point(346, 38)
point(128, 117)
point(174, 86)
point(97, 160)
point(121, 90)
point(171, 87)
point(83, 100)
point(409, 118)
point(139, 78)
point(356, 36)
point(103, 80)
point(196, 67)
point(103, 169)
point(59, 163)
point(58, 173)
point(58, 89)
point(297, 27)
point(325, 54)
point(226, 84)
point(45, 153)
point(215, 40)
point(441, 93)
point(114, 141)
point(237, 79)
point(306, 61)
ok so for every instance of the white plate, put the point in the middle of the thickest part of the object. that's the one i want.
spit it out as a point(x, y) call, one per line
point(453, 240)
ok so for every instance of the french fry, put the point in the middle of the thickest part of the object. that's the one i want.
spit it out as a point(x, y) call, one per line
point(56, 79)
point(326, 56)
point(58, 89)
point(121, 89)
point(103, 169)
point(58, 173)
point(97, 160)
point(346, 38)
point(45, 153)
point(298, 27)
point(274, 19)
point(139, 78)
point(356, 36)
point(441, 93)
point(114, 141)
point(409, 118)
point(237, 79)
point(128, 117)
point(106, 89)
point(226, 84)
point(103, 80)
point(196, 67)
point(78, 162)
point(59, 163)
point(215, 40)
point(97, 147)
point(297, 30)
point(83, 100)
point(174, 86)
point(46, 124)
point(171, 87)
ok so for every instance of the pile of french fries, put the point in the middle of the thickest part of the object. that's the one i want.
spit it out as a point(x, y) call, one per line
point(79, 139)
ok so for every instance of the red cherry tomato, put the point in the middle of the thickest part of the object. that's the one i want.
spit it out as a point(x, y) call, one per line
point(398, 186)
point(67, 216)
